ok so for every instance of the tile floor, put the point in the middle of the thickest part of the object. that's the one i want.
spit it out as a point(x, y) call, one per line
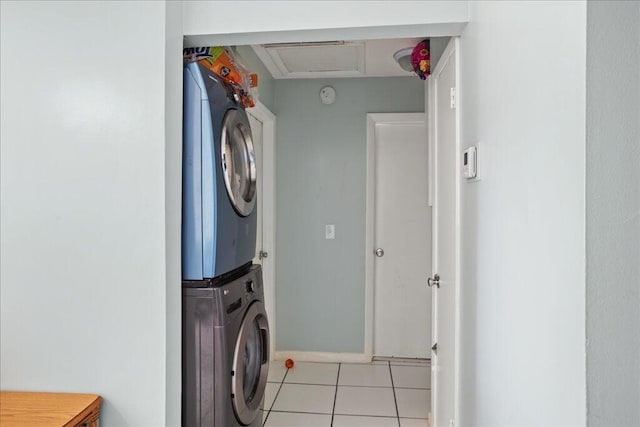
point(379, 394)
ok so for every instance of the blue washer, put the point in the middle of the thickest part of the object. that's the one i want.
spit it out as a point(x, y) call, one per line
point(218, 178)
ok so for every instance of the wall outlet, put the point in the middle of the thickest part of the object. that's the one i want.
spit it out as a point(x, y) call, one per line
point(330, 231)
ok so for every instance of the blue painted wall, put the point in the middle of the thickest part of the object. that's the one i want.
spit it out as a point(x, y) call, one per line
point(320, 179)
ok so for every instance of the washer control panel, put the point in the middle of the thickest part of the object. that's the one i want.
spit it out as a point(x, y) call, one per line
point(251, 286)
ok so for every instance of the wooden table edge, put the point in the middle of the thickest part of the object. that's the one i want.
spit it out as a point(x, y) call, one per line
point(81, 416)
point(92, 406)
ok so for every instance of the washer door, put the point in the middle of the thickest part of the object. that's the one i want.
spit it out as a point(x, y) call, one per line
point(238, 161)
point(250, 364)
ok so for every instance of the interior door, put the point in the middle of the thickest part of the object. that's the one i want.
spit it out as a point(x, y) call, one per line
point(256, 129)
point(402, 229)
point(443, 85)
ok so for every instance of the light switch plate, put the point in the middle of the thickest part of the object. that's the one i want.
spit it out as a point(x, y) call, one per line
point(469, 163)
point(329, 231)
point(473, 170)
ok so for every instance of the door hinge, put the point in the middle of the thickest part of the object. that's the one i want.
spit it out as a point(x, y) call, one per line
point(434, 348)
point(453, 97)
point(263, 254)
point(435, 281)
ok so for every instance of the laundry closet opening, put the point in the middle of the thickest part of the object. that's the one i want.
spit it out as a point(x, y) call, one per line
point(332, 298)
point(340, 137)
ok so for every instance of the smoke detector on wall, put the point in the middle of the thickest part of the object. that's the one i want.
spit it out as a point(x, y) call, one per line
point(327, 95)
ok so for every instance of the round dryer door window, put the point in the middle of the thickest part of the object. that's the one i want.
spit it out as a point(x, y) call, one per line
point(250, 364)
point(239, 162)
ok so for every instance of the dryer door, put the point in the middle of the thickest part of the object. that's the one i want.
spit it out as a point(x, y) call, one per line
point(238, 161)
point(250, 364)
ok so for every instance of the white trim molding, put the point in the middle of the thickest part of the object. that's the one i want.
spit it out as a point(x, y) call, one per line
point(459, 94)
point(452, 49)
point(315, 356)
point(268, 119)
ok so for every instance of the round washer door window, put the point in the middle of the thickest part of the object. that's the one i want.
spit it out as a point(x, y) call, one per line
point(250, 364)
point(239, 162)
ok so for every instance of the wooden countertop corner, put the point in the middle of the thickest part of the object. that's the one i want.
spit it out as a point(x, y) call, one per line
point(21, 409)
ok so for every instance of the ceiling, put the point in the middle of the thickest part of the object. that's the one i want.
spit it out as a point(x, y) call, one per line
point(335, 59)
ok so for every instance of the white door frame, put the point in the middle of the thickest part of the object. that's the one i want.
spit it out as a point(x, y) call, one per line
point(268, 119)
point(453, 48)
point(372, 120)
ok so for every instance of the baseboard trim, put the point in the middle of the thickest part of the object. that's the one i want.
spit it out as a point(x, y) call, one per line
point(316, 356)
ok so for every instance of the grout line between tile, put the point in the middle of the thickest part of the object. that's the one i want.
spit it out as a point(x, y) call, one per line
point(275, 398)
point(307, 412)
point(335, 396)
point(325, 385)
point(372, 416)
point(406, 365)
point(395, 400)
point(352, 386)
point(319, 385)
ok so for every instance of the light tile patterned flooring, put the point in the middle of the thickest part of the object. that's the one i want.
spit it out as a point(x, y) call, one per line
point(379, 394)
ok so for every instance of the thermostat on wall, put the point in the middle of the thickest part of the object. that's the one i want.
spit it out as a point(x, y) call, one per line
point(469, 163)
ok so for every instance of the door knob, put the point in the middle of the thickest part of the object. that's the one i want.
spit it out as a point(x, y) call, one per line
point(379, 252)
point(435, 281)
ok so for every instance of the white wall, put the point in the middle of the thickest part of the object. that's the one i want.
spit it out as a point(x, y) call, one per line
point(86, 302)
point(613, 213)
point(315, 14)
point(295, 21)
point(173, 209)
point(523, 227)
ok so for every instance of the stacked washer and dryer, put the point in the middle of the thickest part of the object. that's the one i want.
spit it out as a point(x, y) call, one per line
point(225, 333)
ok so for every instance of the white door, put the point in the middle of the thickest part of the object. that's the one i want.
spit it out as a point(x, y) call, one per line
point(256, 131)
point(443, 84)
point(402, 237)
point(263, 122)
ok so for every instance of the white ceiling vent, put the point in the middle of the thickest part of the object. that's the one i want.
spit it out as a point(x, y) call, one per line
point(312, 60)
